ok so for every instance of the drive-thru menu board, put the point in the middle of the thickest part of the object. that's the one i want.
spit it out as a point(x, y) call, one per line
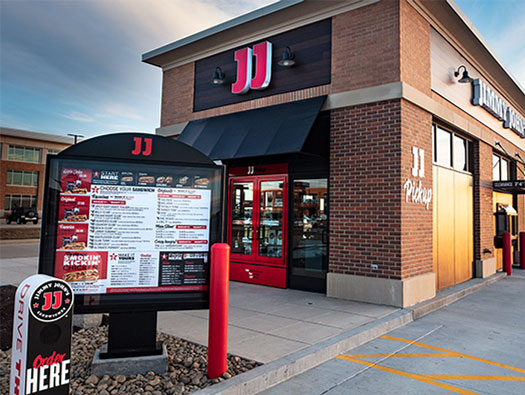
point(125, 228)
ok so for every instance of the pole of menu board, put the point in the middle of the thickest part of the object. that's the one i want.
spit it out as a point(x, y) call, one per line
point(218, 320)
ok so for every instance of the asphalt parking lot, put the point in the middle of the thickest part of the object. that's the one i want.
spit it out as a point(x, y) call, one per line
point(474, 346)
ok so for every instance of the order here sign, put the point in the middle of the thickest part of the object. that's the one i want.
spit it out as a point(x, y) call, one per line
point(41, 352)
point(129, 220)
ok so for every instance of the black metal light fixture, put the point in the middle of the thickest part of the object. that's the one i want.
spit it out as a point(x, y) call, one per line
point(218, 77)
point(465, 78)
point(287, 58)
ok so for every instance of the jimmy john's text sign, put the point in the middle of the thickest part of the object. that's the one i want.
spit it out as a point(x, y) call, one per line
point(131, 227)
point(41, 351)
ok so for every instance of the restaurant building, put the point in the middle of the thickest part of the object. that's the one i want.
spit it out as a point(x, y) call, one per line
point(22, 166)
point(363, 142)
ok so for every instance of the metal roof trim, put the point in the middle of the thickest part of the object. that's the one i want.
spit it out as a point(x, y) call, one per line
point(256, 14)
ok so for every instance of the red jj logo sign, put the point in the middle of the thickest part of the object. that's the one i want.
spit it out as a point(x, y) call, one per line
point(51, 301)
point(263, 68)
point(138, 150)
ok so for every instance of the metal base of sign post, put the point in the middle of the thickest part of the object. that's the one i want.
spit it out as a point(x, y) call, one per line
point(132, 335)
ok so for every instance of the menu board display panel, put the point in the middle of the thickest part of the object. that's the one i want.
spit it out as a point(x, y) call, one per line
point(129, 228)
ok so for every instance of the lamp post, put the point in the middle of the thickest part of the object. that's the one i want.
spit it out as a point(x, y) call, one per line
point(76, 136)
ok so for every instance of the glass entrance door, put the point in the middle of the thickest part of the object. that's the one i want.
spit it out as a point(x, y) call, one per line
point(242, 218)
point(309, 261)
point(257, 229)
point(270, 228)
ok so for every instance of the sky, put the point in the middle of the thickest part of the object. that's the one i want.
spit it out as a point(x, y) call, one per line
point(74, 66)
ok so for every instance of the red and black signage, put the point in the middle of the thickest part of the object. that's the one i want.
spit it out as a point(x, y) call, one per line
point(41, 354)
point(248, 74)
point(130, 219)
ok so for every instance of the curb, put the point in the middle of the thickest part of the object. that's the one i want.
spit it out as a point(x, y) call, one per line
point(272, 373)
point(453, 294)
point(19, 241)
point(275, 372)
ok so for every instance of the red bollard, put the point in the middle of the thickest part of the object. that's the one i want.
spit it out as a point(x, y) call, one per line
point(218, 323)
point(522, 250)
point(507, 254)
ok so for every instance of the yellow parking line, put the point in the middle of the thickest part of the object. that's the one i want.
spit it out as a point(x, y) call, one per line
point(402, 355)
point(417, 377)
point(458, 354)
point(473, 377)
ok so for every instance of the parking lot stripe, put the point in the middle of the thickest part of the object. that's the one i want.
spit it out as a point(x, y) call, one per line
point(454, 353)
point(473, 377)
point(422, 378)
point(413, 355)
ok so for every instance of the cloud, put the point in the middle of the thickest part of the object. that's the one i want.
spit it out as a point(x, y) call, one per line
point(77, 116)
point(121, 111)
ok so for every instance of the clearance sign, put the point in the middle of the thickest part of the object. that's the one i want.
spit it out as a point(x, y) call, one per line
point(41, 353)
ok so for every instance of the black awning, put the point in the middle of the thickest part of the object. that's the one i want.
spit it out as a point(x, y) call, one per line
point(280, 129)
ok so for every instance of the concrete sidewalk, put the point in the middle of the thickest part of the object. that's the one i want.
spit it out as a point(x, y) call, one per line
point(266, 324)
point(289, 331)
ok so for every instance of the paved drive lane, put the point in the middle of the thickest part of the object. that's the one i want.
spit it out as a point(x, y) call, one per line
point(474, 346)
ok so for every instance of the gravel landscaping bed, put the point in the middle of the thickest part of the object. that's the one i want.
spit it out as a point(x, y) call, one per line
point(187, 366)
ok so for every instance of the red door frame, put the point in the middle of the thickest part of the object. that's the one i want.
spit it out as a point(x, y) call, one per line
point(255, 258)
point(259, 269)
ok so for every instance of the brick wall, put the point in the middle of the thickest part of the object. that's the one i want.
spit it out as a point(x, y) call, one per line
point(177, 95)
point(22, 190)
point(365, 47)
point(416, 220)
point(483, 211)
point(365, 52)
point(370, 221)
point(414, 48)
point(365, 190)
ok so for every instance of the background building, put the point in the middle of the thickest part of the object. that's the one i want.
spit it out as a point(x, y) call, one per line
point(23, 164)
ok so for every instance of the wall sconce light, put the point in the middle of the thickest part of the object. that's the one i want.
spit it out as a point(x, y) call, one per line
point(487, 251)
point(465, 78)
point(218, 77)
point(287, 58)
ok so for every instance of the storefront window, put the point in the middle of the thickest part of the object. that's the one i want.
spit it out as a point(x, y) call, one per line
point(452, 150)
point(443, 154)
point(504, 170)
point(460, 153)
point(500, 168)
point(310, 227)
point(495, 167)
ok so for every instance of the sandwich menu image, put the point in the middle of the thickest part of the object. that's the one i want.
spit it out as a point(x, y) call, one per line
point(122, 230)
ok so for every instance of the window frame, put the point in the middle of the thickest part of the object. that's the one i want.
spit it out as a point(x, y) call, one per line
point(17, 198)
point(469, 149)
point(509, 165)
point(19, 153)
point(22, 174)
